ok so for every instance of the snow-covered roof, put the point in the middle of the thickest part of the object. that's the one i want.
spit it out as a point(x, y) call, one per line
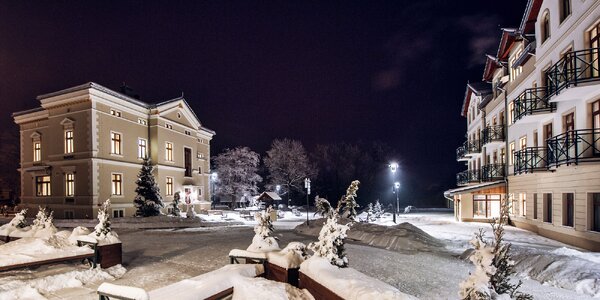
point(273, 196)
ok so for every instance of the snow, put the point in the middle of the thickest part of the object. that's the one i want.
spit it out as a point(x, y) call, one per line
point(260, 289)
point(27, 250)
point(289, 257)
point(349, 283)
point(250, 254)
point(123, 291)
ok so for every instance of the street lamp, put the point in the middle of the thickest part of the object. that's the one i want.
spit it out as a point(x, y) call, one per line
point(394, 168)
point(397, 191)
point(277, 189)
point(307, 187)
point(213, 180)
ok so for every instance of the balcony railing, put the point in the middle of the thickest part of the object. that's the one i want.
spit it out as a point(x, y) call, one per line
point(493, 134)
point(468, 148)
point(532, 101)
point(492, 172)
point(573, 147)
point(574, 68)
point(468, 176)
point(531, 159)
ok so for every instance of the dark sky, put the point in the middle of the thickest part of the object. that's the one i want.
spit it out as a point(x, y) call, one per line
point(319, 72)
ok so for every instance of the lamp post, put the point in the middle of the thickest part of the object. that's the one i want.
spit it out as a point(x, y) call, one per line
point(307, 187)
point(277, 189)
point(394, 168)
point(213, 180)
point(397, 191)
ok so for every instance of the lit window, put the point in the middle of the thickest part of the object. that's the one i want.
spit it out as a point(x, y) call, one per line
point(169, 189)
point(115, 143)
point(69, 184)
point(142, 121)
point(515, 72)
point(511, 112)
point(37, 151)
point(117, 184)
point(169, 151)
point(115, 113)
point(523, 142)
point(142, 148)
point(511, 157)
point(169, 126)
point(42, 186)
point(69, 146)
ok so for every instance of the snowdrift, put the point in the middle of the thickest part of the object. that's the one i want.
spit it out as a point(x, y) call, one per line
point(403, 237)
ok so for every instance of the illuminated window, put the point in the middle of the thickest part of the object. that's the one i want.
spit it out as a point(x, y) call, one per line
point(69, 147)
point(515, 71)
point(142, 121)
point(42, 186)
point(169, 151)
point(37, 151)
point(115, 113)
point(169, 189)
point(523, 143)
point(511, 112)
point(115, 143)
point(117, 184)
point(511, 157)
point(69, 184)
point(142, 148)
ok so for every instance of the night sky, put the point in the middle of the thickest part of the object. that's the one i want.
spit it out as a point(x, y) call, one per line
point(393, 71)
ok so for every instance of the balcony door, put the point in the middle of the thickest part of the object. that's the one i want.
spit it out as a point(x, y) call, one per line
point(188, 161)
point(595, 47)
point(569, 126)
point(596, 127)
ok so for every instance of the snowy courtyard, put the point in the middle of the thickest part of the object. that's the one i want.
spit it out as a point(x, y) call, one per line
point(154, 258)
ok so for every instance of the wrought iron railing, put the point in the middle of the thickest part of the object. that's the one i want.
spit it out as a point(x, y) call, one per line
point(493, 134)
point(573, 68)
point(468, 147)
point(492, 172)
point(532, 101)
point(531, 159)
point(468, 176)
point(573, 147)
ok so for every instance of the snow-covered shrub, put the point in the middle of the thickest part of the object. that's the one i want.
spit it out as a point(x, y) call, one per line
point(349, 201)
point(323, 207)
point(19, 220)
point(331, 242)
point(262, 240)
point(370, 214)
point(103, 226)
point(148, 200)
point(493, 267)
point(42, 219)
point(377, 209)
point(175, 211)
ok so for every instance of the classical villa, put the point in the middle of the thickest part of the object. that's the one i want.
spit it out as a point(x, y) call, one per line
point(86, 144)
point(533, 126)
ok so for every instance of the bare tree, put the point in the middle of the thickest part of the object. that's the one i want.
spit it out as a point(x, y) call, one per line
point(288, 165)
point(237, 169)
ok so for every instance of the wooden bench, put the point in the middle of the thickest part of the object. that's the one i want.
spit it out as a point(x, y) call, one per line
point(249, 260)
point(246, 214)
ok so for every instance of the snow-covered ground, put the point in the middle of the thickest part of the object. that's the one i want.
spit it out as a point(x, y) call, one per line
point(156, 258)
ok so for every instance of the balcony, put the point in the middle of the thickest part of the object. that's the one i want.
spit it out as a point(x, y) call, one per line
point(531, 102)
point(531, 159)
point(492, 172)
point(574, 147)
point(468, 176)
point(468, 149)
point(492, 134)
point(574, 68)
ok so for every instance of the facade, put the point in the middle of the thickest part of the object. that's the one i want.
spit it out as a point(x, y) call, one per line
point(546, 75)
point(86, 144)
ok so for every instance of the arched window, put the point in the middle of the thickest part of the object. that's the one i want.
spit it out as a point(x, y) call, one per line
point(545, 26)
point(565, 9)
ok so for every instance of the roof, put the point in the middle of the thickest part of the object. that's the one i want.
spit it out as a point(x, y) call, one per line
point(273, 196)
point(485, 100)
point(24, 112)
point(480, 88)
point(530, 16)
point(473, 188)
point(491, 65)
point(509, 36)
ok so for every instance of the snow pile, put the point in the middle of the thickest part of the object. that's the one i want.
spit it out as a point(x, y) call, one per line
point(260, 288)
point(42, 226)
point(262, 241)
point(349, 283)
point(36, 288)
point(290, 257)
point(128, 292)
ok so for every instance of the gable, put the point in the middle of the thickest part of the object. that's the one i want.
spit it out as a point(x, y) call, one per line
point(178, 112)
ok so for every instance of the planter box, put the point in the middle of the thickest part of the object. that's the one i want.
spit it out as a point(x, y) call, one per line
point(316, 289)
point(110, 255)
point(7, 239)
point(277, 273)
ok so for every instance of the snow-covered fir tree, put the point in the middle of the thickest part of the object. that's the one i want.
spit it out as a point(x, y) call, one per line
point(331, 242)
point(262, 240)
point(349, 201)
point(42, 219)
point(377, 209)
point(370, 214)
point(323, 207)
point(175, 211)
point(148, 200)
point(19, 220)
point(493, 266)
point(102, 229)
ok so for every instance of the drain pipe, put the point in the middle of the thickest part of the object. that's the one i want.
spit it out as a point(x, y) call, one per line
point(506, 196)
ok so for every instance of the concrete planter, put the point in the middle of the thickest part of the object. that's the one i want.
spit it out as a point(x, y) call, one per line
point(277, 273)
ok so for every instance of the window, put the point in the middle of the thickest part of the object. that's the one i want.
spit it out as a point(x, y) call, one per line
point(69, 148)
point(503, 155)
point(569, 122)
point(514, 204)
point(187, 154)
point(523, 142)
point(548, 207)
point(142, 121)
point(69, 184)
point(511, 157)
point(169, 188)
point(486, 206)
point(535, 138)
point(594, 35)
point(565, 9)
point(37, 151)
point(115, 113)
point(547, 132)
point(69, 214)
point(535, 206)
point(515, 71)
point(523, 200)
point(42, 186)
point(545, 27)
point(511, 112)
point(568, 209)
point(169, 151)
point(117, 184)
point(118, 213)
point(187, 132)
point(142, 153)
point(169, 126)
point(595, 211)
point(199, 169)
point(115, 143)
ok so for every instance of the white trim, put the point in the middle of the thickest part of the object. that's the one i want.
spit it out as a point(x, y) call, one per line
point(110, 141)
point(112, 194)
point(172, 160)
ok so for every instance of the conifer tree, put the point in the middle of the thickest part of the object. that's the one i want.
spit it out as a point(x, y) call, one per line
point(349, 201)
point(323, 207)
point(377, 209)
point(148, 200)
point(175, 211)
point(370, 216)
point(103, 227)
